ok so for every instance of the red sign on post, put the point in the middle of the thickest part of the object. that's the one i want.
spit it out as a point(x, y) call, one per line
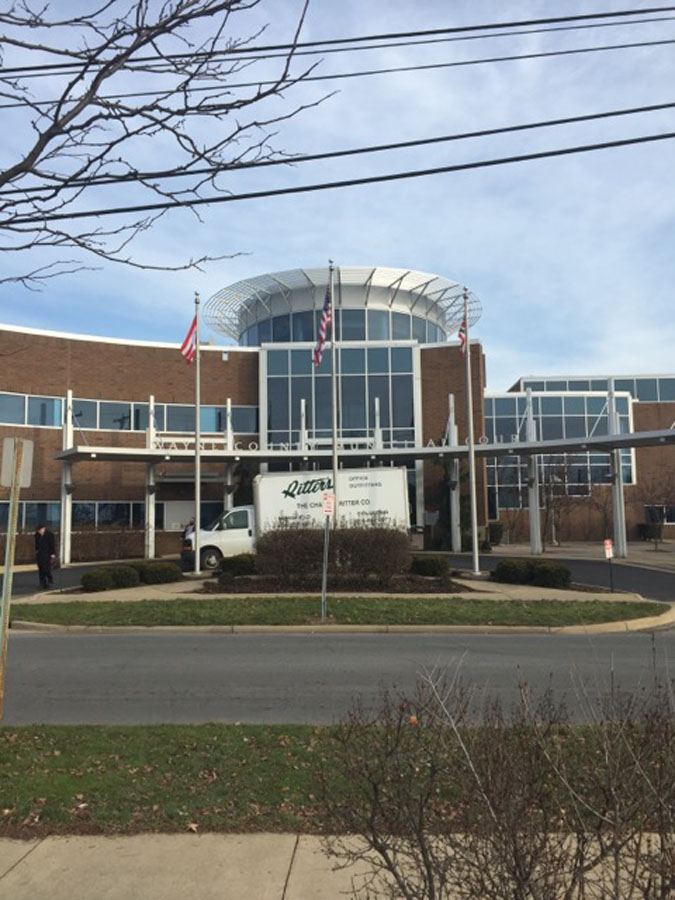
point(609, 549)
point(328, 504)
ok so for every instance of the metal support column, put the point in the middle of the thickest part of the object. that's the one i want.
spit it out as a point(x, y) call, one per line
point(150, 492)
point(66, 524)
point(228, 492)
point(534, 513)
point(453, 440)
point(618, 504)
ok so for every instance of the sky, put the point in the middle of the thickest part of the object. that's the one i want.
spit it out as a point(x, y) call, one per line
point(571, 257)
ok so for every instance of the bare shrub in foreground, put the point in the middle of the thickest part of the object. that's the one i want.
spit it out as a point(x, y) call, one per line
point(445, 794)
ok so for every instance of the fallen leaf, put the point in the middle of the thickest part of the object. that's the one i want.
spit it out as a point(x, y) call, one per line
point(192, 826)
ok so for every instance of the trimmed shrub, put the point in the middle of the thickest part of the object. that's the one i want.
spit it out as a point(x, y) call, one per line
point(371, 551)
point(290, 552)
point(234, 566)
point(295, 553)
point(430, 566)
point(125, 576)
point(532, 571)
point(550, 574)
point(513, 571)
point(100, 579)
point(149, 573)
point(161, 573)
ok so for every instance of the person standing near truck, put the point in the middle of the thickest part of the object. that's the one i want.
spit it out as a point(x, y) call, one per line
point(45, 554)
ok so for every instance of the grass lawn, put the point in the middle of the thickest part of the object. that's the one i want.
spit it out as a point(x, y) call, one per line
point(341, 610)
point(67, 779)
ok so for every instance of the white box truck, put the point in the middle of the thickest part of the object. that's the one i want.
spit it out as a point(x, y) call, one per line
point(366, 498)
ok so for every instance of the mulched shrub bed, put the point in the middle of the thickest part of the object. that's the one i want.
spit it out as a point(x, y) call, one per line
point(397, 584)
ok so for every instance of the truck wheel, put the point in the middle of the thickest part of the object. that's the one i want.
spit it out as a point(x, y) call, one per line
point(210, 558)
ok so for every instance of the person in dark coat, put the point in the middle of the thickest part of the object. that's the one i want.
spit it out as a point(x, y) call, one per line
point(45, 554)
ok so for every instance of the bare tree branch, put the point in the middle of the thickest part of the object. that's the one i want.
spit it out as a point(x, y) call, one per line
point(68, 83)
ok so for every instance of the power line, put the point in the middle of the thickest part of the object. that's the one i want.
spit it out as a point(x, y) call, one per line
point(332, 42)
point(332, 185)
point(336, 154)
point(336, 76)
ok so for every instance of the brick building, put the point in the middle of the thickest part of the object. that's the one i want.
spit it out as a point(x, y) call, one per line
point(112, 421)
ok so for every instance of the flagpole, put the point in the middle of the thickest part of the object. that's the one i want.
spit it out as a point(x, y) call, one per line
point(334, 393)
point(470, 437)
point(198, 442)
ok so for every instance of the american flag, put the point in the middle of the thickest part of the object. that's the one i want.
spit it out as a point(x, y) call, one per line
point(326, 319)
point(461, 334)
point(189, 345)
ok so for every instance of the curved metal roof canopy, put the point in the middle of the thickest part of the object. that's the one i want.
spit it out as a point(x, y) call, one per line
point(232, 309)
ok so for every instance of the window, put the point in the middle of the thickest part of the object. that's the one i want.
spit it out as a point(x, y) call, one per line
point(505, 406)
point(301, 389)
point(84, 514)
point(180, 418)
point(303, 326)
point(44, 411)
point(378, 325)
point(84, 414)
point(212, 419)
point(238, 518)
point(419, 329)
point(277, 362)
point(301, 362)
point(402, 401)
point(353, 402)
point(48, 514)
point(281, 329)
point(646, 389)
point(245, 419)
point(352, 362)
point(353, 325)
point(667, 389)
point(401, 359)
point(277, 404)
point(114, 515)
point(265, 331)
point(12, 409)
point(115, 416)
point(378, 359)
point(400, 326)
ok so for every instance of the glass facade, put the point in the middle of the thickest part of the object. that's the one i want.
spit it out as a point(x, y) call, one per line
point(108, 415)
point(351, 324)
point(365, 376)
point(647, 388)
point(557, 417)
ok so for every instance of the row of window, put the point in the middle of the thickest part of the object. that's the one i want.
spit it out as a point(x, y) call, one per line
point(563, 474)
point(351, 361)
point(641, 387)
point(350, 325)
point(110, 415)
point(96, 514)
point(555, 417)
point(516, 405)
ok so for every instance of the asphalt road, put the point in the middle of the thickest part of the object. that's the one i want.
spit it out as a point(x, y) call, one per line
point(654, 584)
point(153, 678)
point(651, 583)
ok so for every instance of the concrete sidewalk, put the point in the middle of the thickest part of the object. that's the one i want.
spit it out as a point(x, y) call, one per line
point(172, 867)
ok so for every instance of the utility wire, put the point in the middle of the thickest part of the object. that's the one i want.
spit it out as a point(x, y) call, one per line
point(336, 76)
point(332, 185)
point(324, 45)
point(333, 154)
